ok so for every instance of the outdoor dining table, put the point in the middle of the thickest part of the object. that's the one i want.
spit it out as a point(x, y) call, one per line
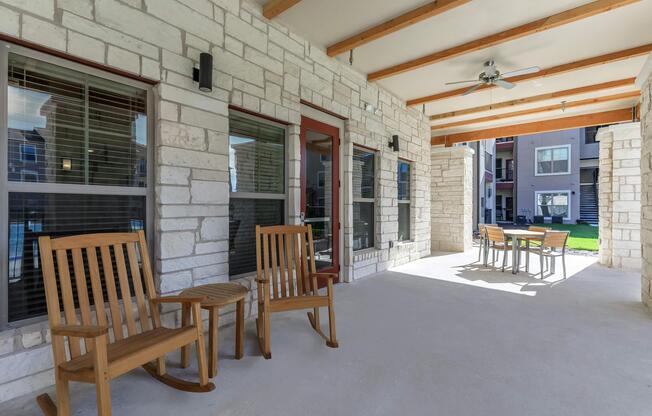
point(517, 235)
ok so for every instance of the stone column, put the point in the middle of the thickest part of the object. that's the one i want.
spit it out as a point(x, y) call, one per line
point(644, 82)
point(451, 210)
point(620, 196)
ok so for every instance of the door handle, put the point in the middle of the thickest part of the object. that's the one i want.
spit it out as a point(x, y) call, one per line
point(302, 217)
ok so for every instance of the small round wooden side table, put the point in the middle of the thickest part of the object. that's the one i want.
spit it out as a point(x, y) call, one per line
point(216, 296)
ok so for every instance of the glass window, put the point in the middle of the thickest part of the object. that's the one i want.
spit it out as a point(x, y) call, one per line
point(363, 199)
point(403, 201)
point(32, 215)
point(72, 131)
point(553, 160)
point(553, 204)
point(590, 133)
point(488, 162)
point(73, 128)
point(257, 181)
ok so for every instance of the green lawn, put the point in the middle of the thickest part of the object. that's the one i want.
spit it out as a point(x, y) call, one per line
point(582, 236)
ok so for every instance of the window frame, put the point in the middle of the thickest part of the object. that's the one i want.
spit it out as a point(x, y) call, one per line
point(374, 152)
point(405, 201)
point(264, 195)
point(536, 160)
point(558, 191)
point(7, 187)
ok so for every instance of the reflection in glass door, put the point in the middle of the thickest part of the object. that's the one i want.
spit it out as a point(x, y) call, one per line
point(320, 190)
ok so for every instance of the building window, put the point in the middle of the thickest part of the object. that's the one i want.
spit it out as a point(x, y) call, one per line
point(591, 132)
point(488, 162)
point(257, 186)
point(553, 160)
point(403, 200)
point(76, 147)
point(553, 203)
point(27, 153)
point(363, 198)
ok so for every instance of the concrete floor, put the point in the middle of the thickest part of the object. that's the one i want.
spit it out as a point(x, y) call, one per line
point(439, 336)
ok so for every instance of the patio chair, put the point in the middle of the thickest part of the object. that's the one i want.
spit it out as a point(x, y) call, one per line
point(91, 356)
point(535, 240)
point(287, 280)
point(498, 242)
point(552, 241)
point(484, 244)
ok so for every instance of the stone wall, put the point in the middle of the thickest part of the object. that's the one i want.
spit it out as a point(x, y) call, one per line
point(451, 204)
point(260, 66)
point(644, 82)
point(620, 196)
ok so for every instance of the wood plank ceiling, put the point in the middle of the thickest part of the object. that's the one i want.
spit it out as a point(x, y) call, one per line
point(588, 52)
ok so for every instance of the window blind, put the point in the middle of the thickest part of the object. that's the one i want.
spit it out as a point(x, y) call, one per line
point(257, 182)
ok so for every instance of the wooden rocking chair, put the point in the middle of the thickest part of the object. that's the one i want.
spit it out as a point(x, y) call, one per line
point(98, 359)
point(287, 280)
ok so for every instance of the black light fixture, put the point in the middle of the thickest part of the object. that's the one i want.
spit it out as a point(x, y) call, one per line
point(393, 144)
point(204, 75)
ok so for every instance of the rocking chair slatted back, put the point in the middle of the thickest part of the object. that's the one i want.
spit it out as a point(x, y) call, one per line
point(285, 258)
point(115, 251)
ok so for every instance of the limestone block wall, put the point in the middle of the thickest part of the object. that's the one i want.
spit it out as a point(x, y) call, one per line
point(259, 66)
point(645, 84)
point(620, 196)
point(451, 204)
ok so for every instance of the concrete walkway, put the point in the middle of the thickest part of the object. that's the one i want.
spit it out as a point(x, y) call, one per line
point(434, 337)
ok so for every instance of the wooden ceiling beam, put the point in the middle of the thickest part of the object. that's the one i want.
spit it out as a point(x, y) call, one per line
point(393, 25)
point(543, 126)
point(275, 7)
point(554, 70)
point(535, 98)
point(540, 25)
point(553, 107)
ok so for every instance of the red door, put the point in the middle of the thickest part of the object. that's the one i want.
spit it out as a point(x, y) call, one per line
point(320, 190)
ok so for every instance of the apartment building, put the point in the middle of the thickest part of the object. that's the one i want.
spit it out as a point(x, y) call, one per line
point(547, 177)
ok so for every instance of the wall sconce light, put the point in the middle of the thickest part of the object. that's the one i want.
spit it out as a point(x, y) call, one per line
point(204, 74)
point(66, 164)
point(393, 144)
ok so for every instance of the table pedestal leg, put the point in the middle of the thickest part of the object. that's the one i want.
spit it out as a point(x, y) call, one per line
point(239, 330)
point(514, 254)
point(213, 321)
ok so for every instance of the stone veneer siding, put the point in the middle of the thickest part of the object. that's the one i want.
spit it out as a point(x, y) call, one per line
point(451, 205)
point(646, 189)
point(620, 196)
point(259, 66)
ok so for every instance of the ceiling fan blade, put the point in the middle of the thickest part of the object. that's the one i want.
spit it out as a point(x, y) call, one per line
point(504, 84)
point(473, 88)
point(462, 82)
point(523, 71)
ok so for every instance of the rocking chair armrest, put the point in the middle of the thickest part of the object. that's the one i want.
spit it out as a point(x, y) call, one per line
point(177, 299)
point(329, 276)
point(81, 331)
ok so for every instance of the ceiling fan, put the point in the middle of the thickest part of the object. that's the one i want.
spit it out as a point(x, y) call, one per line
point(492, 76)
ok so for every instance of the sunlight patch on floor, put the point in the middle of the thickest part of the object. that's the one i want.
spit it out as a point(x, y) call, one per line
point(464, 268)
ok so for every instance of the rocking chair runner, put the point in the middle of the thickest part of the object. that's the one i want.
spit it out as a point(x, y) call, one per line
point(97, 359)
point(287, 280)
